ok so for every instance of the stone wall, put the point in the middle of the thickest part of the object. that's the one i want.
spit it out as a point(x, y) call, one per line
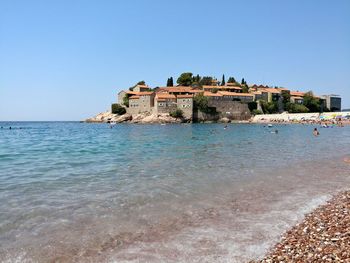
point(233, 110)
point(165, 106)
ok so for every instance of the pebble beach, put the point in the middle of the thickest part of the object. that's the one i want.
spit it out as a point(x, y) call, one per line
point(323, 235)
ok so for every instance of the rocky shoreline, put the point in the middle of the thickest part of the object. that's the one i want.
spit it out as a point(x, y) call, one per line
point(323, 235)
point(144, 118)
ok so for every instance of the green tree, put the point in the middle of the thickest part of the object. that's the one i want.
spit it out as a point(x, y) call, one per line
point(200, 102)
point(296, 108)
point(312, 103)
point(118, 109)
point(170, 82)
point(231, 80)
point(256, 112)
point(252, 105)
point(185, 79)
point(285, 99)
point(206, 81)
point(176, 113)
point(269, 107)
point(126, 100)
point(223, 80)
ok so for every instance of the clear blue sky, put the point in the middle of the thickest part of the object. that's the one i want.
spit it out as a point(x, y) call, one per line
point(66, 60)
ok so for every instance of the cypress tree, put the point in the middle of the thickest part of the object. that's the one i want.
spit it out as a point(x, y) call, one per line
point(223, 80)
point(170, 82)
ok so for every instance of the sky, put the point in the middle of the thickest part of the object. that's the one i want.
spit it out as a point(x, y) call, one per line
point(67, 60)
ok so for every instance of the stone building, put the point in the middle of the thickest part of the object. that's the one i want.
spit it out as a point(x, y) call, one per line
point(185, 103)
point(165, 103)
point(141, 103)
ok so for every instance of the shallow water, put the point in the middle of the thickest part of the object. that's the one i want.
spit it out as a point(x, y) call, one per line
point(75, 192)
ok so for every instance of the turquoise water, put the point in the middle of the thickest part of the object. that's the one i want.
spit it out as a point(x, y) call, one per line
point(77, 192)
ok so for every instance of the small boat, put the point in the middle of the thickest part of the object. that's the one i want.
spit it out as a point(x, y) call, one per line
point(269, 125)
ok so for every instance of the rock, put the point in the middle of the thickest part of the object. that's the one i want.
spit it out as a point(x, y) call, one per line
point(224, 120)
point(121, 118)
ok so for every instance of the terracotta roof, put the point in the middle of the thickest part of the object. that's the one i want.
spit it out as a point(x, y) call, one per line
point(142, 86)
point(231, 84)
point(131, 92)
point(257, 92)
point(211, 94)
point(271, 90)
point(297, 93)
point(143, 93)
point(134, 97)
point(165, 96)
point(178, 89)
point(185, 96)
point(206, 87)
point(227, 93)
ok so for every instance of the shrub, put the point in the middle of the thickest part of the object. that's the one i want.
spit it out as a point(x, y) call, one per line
point(176, 113)
point(126, 100)
point(297, 108)
point(118, 109)
point(200, 102)
point(256, 112)
point(252, 105)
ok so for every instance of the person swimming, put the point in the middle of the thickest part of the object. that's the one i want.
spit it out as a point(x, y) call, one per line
point(316, 132)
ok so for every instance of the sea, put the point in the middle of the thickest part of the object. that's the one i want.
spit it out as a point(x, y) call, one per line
point(78, 192)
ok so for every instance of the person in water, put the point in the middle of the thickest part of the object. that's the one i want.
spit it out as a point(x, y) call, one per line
point(316, 132)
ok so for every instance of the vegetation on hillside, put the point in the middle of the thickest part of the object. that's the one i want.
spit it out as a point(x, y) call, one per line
point(118, 109)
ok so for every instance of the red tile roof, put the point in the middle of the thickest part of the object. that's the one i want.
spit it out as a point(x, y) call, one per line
point(211, 94)
point(165, 96)
point(145, 93)
point(227, 93)
point(185, 96)
point(271, 90)
point(297, 93)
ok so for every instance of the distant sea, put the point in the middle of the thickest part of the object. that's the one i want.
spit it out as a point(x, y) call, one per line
point(76, 192)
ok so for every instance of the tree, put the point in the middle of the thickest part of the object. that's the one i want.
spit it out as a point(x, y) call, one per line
point(118, 109)
point(296, 108)
point(269, 107)
point(176, 113)
point(312, 103)
point(170, 82)
point(285, 99)
point(231, 80)
point(252, 105)
point(185, 79)
point(223, 80)
point(257, 112)
point(243, 82)
point(200, 102)
point(126, 100)
point(206, 81)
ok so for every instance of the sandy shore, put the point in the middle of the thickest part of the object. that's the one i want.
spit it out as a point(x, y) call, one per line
point(323, 235)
